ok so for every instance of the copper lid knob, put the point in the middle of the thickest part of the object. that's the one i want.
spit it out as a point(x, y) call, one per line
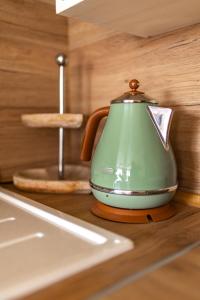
point(134, 85)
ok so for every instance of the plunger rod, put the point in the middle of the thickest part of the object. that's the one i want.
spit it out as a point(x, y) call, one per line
point(60, 59)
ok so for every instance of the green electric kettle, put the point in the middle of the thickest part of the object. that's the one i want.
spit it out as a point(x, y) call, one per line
point(133, 165)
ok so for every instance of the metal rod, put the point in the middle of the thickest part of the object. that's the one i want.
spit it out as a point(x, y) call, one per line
point(60, 59)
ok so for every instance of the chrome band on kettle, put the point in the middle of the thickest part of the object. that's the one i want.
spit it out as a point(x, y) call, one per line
point(133, 193)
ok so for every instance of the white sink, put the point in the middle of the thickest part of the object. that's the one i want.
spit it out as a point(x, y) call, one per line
point(40, 245)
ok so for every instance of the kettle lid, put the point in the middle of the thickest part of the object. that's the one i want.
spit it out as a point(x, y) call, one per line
point(133, 96)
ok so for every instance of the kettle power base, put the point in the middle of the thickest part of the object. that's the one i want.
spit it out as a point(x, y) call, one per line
point(133, 215)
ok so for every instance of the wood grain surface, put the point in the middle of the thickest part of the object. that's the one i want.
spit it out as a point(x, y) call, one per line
point(168, 69)
point(193, 199)
point(177, 280)
point(82, 34)
point(153, 242)
point(101, 63)
point(30, 36)
point(140, 18)
point(52, 120)
point(45, 180)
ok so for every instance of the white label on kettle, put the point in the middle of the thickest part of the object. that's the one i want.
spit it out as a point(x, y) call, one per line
point(161, 117)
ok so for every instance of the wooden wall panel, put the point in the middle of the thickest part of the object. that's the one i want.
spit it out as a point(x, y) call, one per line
point(168, 68)
point(185, 136)
point(30, 36)
point(83, 33)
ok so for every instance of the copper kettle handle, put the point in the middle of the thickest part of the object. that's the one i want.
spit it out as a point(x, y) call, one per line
point(90, 132)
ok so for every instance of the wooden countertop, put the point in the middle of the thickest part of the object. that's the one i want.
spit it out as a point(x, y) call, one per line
point(176, 280)
point(162, 257)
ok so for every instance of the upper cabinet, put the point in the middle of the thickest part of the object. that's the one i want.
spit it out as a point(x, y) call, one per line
point(141, 18)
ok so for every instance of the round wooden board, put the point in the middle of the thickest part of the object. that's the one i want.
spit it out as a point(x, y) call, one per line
point(45, 180)
point(133, 215)
point(53, 120)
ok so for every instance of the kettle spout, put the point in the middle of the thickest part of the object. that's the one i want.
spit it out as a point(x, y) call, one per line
point(161, 118)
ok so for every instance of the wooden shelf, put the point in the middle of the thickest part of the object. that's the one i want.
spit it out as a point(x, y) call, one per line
point(52, 120)
point(45, 180)
point(141, 18)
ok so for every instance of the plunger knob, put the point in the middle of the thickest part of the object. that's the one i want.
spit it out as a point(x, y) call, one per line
point(61, 59)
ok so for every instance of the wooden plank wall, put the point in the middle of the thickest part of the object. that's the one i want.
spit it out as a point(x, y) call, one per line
point(168, 67)
point(101, 63)
point(30, 36)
